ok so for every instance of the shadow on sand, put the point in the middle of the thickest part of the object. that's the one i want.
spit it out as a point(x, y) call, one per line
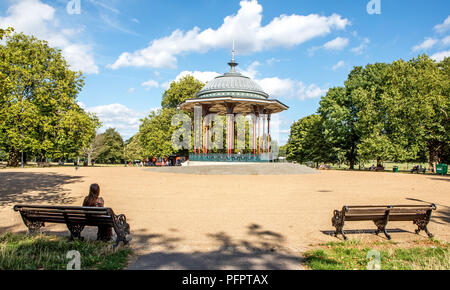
point(266, 253)
point(364, 231)
point(15, 188)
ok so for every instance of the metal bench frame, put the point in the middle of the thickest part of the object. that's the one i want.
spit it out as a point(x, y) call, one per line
point(420, 215)
point(35, 217)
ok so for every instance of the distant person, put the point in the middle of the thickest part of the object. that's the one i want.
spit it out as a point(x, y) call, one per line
point(94, 200)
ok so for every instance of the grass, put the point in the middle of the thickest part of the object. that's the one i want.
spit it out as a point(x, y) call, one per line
point(352, 255)
point(24, 252)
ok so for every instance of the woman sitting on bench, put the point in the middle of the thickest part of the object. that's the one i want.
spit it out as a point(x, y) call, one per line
point(93, 200)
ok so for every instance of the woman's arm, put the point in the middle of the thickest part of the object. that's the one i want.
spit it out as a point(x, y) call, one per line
point(100, 202)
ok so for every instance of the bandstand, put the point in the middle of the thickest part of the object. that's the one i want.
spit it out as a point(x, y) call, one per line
point(233, 94)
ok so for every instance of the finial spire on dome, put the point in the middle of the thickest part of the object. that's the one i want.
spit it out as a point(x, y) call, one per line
point(233, 64)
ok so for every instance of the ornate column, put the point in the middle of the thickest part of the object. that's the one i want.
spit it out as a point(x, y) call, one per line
point(205, 112)
point(269, 115)
point(230, 127)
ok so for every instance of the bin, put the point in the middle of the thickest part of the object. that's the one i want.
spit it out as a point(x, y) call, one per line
point(442, 169)
point(395, 169)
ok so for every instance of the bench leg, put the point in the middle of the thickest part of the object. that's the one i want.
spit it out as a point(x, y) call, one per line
point(338, 222)
point(33, 226)
point(381, 225)
point(422, 224)
point(122, 229)
point(75, 231)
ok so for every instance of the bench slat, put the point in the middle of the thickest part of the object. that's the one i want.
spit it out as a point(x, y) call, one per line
point(396, 217)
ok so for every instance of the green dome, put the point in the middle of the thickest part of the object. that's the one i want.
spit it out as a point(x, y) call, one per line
point(232, 84)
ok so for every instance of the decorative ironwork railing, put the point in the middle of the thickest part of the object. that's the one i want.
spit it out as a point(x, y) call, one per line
point(216, 157)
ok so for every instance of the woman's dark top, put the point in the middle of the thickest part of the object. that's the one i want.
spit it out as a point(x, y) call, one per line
point(104, 232)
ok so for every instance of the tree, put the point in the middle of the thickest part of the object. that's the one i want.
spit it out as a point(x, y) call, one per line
point(307, 141)
point(373, 126)
point(418, 93)
point(39, 113)
point(108, 148)
point(156, 133)
point(339, 115)
point(5, 32)
point(134, 148)
point(185, 88)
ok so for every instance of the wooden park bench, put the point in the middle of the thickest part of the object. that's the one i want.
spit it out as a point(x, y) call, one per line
point(420, 215)
point(75, 217)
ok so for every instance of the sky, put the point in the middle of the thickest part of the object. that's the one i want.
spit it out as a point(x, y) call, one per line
point(130, 51)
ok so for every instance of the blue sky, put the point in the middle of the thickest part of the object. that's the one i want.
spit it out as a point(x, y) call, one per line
point(131, 50)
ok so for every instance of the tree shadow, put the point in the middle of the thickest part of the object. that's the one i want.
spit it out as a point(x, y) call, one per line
point(266, 252)
point(440, 179)
point(46, 187)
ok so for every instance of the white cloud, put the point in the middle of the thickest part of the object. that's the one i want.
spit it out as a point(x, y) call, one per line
point(118, 116)
point(36, 18)
point(312, 91)
point(446, 40)
point(244, 27)
point(338, 65)
point(443, 27)
point(131, 90)
point(251, 70)
point(287, 88)
point(278, 87)
point(272, 61)
point(439, 56)
point(338, 43)
point(426, 44)
point(362, 47)
point(165, 85)
point(204, 76)
point(150, 84)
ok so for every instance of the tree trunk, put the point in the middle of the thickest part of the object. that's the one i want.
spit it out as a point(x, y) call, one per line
point(379, 162)
point(352, 158)
point(433, 157)
point(14, 158)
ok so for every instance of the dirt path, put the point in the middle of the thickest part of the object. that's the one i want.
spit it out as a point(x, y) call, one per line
point(208, 221)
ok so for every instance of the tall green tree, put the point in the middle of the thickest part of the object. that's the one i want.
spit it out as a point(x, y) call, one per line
point(39, 113)
point(339, 114)
point(180, 91)
point(307, 141)
point(418, 93)
point(156, 133)
point(134, 148)
point(108, 147)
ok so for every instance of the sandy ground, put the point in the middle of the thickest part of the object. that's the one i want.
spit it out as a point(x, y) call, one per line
point(186, 221)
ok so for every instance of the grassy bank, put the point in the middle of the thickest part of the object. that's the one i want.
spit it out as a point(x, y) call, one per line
point(352, 255)
point(22, 252)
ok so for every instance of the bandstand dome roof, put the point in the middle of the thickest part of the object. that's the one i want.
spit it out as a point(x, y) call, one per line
point(234, 84)
point(236, 90)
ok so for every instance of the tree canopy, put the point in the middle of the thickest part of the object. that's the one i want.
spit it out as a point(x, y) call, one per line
point(39, 113)
point(156, 130)
point(108, 147)
point(156, 133)
point(180, 91)
point(396, 111)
